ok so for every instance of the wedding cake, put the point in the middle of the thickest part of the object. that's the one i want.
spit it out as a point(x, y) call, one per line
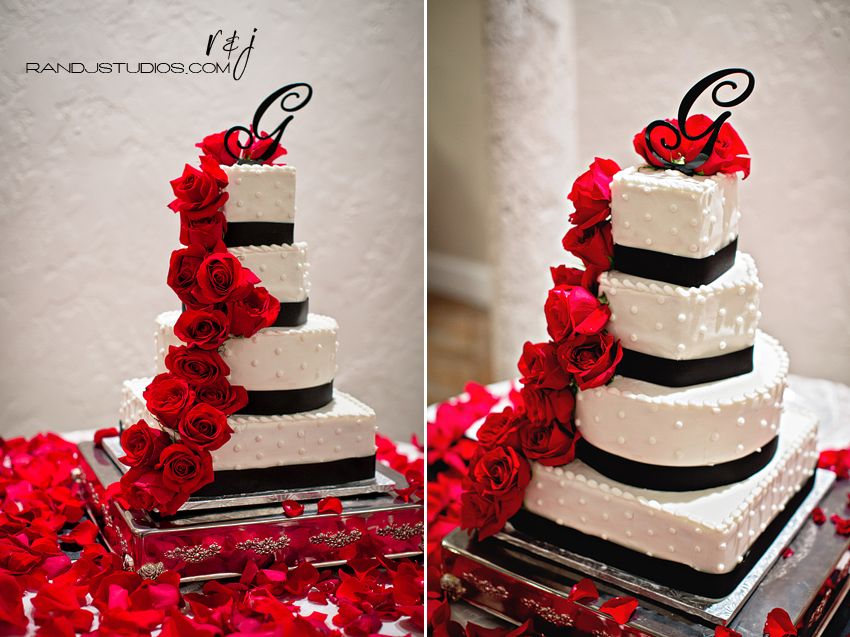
point(650, 431)
point(243, 374)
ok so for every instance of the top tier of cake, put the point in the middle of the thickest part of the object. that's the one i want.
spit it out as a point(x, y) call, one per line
point(670, 212)
point(260, 193)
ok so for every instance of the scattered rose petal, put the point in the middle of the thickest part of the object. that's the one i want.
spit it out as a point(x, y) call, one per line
point(330, 505)
point(842, 525)
point(788, 552)
point(583, 591)
point(818, 516)
point(292, 509)
point(779, 624)
point(100, 434)
point(725, 631)
point(620, 608)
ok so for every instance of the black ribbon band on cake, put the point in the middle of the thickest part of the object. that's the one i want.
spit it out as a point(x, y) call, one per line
point(258, 233)
point(673, 373)
point(667, 478)
point(664, 572)
point(299, 476)
point(670, 268)
point(292, 314)
point(287, 401)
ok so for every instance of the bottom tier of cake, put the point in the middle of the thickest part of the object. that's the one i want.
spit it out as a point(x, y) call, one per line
point(333, 444)
point(710, 530)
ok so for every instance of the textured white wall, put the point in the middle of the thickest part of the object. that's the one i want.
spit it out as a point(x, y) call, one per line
point(85, 229)
point(631, 62)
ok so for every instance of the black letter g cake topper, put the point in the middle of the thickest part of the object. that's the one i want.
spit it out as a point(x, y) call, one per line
point(293, 97)
point(711, 132)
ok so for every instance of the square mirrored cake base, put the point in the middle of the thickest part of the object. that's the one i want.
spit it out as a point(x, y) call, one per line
point(215, 538)
point(516, 577)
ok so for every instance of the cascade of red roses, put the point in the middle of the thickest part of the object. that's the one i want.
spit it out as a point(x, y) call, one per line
point(580, 354)
point(221, 299)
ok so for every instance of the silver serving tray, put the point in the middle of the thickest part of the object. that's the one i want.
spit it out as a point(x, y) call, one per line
point(381, 483)
point(718, 611)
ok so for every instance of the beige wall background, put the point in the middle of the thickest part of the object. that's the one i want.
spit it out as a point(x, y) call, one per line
point(86, 232)
point(629, 63)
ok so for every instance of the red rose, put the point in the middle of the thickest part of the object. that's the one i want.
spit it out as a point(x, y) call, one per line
point(729, 154)
point(562, 275)
point(142, 445)
point(539, 366)
point(168, 397)
point(205, 231)
point(185, 470)
point(206, 329)
point(545, 405)
point(500, 429)
point(495, 487)
point(591, 193)
point(549, 443)
point(142, 488)
point(591, 358)
point(225, 397)
point(198, 193)
point(594, 246)
point(213, 145)
point(221, 278)
point(258, 309)
point(183, 273)
point(198, 367)
point(204, 427)
point(572, 310)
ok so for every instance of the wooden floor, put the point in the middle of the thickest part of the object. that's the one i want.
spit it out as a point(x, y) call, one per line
point(458, 347)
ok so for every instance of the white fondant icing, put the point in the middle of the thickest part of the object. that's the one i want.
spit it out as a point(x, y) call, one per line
point(267, 441)
point(698, 424)
point(304, 355)
point(710, 530)
point(260, 192)
point(699, 322)
point(667, 211)
point(283, 269)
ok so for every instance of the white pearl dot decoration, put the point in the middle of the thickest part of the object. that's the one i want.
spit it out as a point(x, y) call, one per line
point(659, 327)
point(259, 214)
point(678, 424)
point(237, 448)
point(621, 440)
point(633, 338)
point(721, 345)
point(278, 351)
point(681, 348)
point(741, 421)
point(301, 433)
point(627, 224)
point(693, 247)
point(721, 312)
point(621, 414)
point(674, 207)
point(582, 501)
point(647, 217)
point(674, 231)
point(625, 196)
point(633, 309)
point(278, 203)
point(240, 204)
point(682, 318)
point(255, 362)
point(653, 440)
point(238, 180)
point(302, 451)
point(693, 223)
point(714, 437)
point(661, 300)
point(648, 241)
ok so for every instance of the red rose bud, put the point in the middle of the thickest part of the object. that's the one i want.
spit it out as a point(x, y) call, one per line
point(204, 428)
point(197, 193)
point(562, 275)
point(261, 145)
point(539, 366)
point(198, 367)
point(494, 489)
point(206, 329)
point(330, 505)
point(258, 309)
point(591, 193)
point(213, 146)
point(168, 397)
point(142, 445)
point(221, 279)
point(591, 358)
point(501, 429)
point(550, 443)
point(183, 273)
point(207, 232)
point(574, 310)
point(225, 397)
point(183, 469)
point(292, 509)
point(544, 405)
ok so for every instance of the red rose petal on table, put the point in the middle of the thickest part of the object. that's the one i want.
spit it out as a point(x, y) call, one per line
point(292, 509)
point(779, 624)
point(788, 552)
point(620, 608)
point(84, 533)
point(583, 591)
point(818, 516)
point(330, 505)
point(12, 618)
point(100, 434)
point(725, 631)
point(842, 525)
